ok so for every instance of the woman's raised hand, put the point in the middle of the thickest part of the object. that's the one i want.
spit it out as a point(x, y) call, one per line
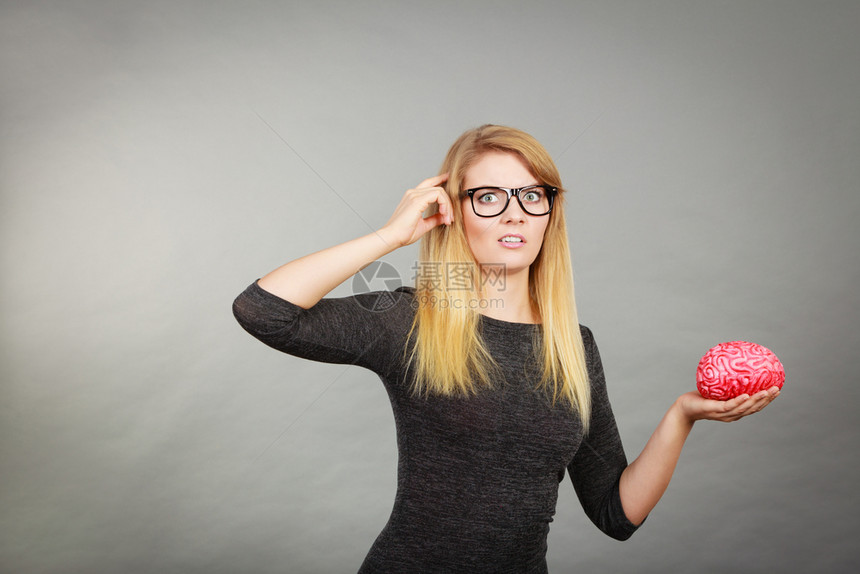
point(408, 223)
point(306, 280)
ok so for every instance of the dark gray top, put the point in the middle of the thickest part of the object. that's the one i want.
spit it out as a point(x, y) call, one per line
point(478, 477)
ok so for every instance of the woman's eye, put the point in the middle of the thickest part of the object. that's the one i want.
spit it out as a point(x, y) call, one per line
point(487, 198)
point(532, 196)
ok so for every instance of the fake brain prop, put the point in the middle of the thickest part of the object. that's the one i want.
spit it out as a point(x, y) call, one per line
point(737, 368)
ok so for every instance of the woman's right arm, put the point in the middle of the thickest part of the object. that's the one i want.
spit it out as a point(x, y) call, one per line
point(287, 309)
point(308, 279)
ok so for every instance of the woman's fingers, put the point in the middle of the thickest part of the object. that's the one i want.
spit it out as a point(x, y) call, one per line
point(745, 405)
point(442, 199)
point(432, 221)
point(426, 198)
point(698, 407)
point(408, 223)
point(436, 194)
point(434, 181)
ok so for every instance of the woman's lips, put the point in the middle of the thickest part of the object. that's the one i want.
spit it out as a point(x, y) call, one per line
point(513, 240)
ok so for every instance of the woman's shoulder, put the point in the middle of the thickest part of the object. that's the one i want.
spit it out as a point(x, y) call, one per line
point(587, 335)
point(592, 355)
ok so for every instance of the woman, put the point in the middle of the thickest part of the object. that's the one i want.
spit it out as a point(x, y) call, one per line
point(496, 389)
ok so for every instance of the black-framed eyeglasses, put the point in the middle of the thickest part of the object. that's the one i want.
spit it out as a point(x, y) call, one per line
point(492, 201)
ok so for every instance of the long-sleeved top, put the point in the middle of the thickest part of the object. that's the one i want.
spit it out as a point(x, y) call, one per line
point(478, 476)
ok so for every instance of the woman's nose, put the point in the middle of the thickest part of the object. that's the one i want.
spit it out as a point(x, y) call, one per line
point(514, 211)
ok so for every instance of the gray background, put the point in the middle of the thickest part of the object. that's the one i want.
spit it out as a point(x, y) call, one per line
point(157, 157)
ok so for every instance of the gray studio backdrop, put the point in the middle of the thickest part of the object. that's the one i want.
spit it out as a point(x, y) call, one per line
point(157, 157)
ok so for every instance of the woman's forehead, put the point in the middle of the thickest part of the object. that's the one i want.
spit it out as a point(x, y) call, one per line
point(498, 168)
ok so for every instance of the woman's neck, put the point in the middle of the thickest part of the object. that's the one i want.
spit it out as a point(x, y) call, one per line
point(506, 297)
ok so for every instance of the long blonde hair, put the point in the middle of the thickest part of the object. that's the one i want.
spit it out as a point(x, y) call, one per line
point(449, 355)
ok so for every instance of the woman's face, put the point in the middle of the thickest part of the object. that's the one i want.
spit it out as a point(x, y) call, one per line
point(485, 234)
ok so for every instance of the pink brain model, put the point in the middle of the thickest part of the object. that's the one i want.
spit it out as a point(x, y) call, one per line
point(737, 368)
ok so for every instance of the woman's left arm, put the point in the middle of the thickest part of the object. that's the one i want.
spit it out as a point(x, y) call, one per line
point(645, 480)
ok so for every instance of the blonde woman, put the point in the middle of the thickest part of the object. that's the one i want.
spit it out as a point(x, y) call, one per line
point(497, 391)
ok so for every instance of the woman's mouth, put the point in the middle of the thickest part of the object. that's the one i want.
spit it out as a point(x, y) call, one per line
point(512, 241)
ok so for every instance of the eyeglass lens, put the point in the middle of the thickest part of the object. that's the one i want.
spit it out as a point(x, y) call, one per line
point(490, 201)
